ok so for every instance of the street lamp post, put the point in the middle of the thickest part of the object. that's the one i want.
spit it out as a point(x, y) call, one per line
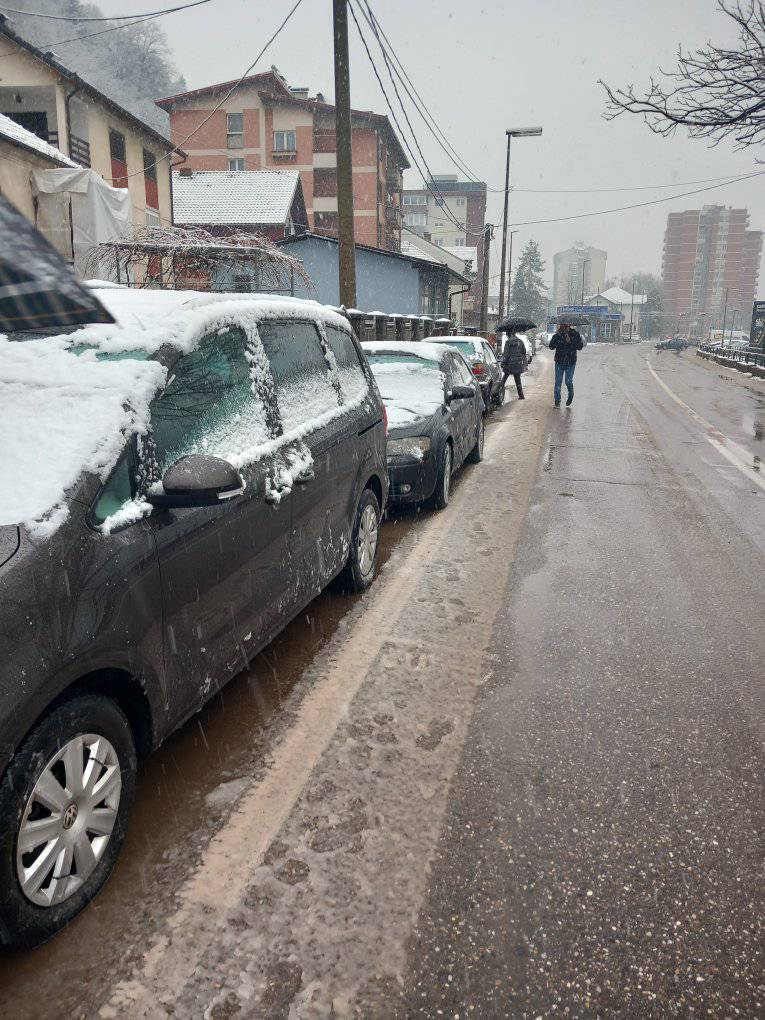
point(532, 132)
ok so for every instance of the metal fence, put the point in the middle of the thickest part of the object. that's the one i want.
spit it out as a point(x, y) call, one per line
point(744, 355)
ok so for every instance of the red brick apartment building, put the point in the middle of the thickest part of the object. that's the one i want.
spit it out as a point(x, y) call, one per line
point(265, 124)
point(708, 252)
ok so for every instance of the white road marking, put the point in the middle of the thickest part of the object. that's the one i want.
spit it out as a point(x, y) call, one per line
point(735, 454)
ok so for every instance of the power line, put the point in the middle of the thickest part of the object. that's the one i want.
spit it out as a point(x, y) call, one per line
point(115, 17)
point(439, 197)
point(237, 83)
point(639, 205)
point(598, 191)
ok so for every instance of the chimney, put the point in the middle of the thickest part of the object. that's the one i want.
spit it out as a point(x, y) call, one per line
point(299, 93)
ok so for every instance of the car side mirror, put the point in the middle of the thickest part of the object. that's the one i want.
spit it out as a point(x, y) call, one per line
point(197, 480)
point(462, 392)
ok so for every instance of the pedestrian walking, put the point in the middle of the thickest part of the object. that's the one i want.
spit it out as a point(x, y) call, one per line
point(514, 361)
point(566, 342)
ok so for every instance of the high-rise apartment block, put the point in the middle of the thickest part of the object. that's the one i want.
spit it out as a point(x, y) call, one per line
point(578, 272)
point(710, 268)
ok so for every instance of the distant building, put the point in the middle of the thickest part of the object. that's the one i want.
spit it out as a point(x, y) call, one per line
point(710, 269)
point(628, 306)
point(53, 102)
point(265, 124)
point(451, 213)
point(459, 261)
point(578, 271)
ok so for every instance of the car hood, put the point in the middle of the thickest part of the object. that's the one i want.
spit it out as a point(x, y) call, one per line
point(419, 420)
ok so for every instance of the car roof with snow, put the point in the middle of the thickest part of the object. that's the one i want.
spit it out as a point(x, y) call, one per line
point(417, 348)
point(68, 402)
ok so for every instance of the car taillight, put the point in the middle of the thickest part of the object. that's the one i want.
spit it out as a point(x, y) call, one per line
point(478, 369)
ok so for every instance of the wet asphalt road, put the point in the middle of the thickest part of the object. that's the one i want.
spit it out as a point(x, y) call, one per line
point(526, 772)
point(603, 850)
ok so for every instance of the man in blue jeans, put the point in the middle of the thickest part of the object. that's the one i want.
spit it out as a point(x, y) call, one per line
point(566, 342)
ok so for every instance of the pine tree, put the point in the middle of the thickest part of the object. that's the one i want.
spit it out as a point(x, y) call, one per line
point(529, 292)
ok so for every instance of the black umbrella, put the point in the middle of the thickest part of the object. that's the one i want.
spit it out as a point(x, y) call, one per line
point(38, 290)
point(515, 324)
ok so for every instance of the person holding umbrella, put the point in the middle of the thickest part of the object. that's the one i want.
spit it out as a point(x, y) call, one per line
point(514, 361)
point(566, 342)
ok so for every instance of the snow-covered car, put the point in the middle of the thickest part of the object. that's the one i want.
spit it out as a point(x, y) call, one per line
point(483, 364)
point(435, 417)
point(176, 487)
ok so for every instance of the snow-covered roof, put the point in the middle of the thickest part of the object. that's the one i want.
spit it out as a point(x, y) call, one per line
point(234, 196)
point(467, 254)
point(14, 133)
point(65, 408)
point(420, 348)
point(408, 248)
point(618, 296)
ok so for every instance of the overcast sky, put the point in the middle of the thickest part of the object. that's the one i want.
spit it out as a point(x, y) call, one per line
point(483, 68)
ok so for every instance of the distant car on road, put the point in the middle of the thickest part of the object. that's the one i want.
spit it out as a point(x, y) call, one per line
point(176, 487)
point(675, 343)
point(435, 417)
point(483, 364)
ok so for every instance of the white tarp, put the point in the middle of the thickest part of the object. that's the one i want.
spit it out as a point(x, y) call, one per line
point(98, 211)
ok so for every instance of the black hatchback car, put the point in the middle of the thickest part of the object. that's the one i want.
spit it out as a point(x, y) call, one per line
point(176, 488)
point(435, 417)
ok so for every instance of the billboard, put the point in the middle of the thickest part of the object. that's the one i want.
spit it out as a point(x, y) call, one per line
point(757, 332)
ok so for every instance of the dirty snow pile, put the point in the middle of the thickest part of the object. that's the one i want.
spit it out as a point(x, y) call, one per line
point(61, 414)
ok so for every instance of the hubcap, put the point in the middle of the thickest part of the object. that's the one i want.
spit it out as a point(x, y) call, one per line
point(367, 542)
point(68, 820)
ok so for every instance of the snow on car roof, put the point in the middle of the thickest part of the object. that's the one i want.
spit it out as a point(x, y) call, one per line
point(419, 348)
point(67, 407)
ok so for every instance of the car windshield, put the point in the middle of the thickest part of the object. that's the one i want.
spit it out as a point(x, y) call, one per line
point(411, 387)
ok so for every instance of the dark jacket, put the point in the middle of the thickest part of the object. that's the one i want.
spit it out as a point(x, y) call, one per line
point(565, 353)
point(514, 359)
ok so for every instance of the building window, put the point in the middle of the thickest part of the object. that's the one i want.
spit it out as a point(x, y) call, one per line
point(439, 241)
point(460, 242)
point(234, 130)
point(415, 200)
point(118, 158)
point(152, 218)
point(236, 164)
point(284, 141)
point(415, 219)
point(150, 177)
point(460, 201)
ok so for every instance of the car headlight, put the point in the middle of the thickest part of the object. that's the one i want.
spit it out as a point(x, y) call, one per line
point(415, 446)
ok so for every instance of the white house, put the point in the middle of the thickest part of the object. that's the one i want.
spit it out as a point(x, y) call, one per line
point(627, 304)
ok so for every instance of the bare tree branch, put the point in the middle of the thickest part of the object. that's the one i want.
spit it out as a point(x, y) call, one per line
point(715, 92)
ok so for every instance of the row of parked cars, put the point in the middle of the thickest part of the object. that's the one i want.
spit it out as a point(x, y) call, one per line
point(178, 486)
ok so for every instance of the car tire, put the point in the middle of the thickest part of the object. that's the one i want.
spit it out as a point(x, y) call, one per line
point(476, 454)
point(440, 498)
point(361, 567)
point(93, 731)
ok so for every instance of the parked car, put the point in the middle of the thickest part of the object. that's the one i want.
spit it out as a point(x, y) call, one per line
point(675, 343)
point(483, 363)
point(176, 487)
point(435, 417)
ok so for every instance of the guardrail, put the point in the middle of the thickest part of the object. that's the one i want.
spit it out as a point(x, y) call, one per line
point(742, 355)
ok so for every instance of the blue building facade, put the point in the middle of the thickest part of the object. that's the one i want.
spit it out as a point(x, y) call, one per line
point(385, 281)
point(604, 324)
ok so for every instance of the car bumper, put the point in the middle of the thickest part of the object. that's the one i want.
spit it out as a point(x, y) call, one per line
point(411, 481)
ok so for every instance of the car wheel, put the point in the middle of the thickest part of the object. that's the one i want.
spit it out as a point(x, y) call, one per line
point(361, 567)
point(65, 801)
point(476, 454)
point(444, 479)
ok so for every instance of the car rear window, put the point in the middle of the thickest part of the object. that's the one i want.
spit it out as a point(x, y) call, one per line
point(353, 382)
point(304, 390)
point(463, 346)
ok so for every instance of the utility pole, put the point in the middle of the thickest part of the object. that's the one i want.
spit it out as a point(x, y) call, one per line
point(482, 324)
point(347, 252)
point(532, 132)
point(632, 306)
